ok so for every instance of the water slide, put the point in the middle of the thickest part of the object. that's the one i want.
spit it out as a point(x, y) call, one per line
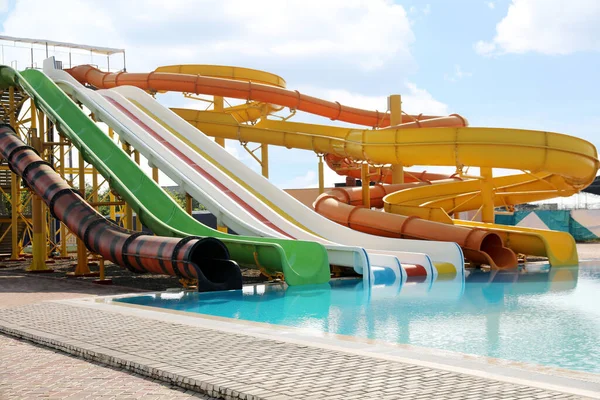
point(480, 245)
point(242, 215)
point(301, 262)
point(213, 188)
point(204, 259)
point(560, 168)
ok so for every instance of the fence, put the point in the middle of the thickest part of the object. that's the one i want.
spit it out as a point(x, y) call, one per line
point(583, 225)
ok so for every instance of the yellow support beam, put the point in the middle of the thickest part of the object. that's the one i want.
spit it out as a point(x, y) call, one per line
point(63, 229)
point(15, 190)
point(264, 160)
point(321, 175)
point(81, 268)
point(113, 211)
point(126, 212)
point(366, 190)
point(219, 105)
point(111, 196)
point(188, 203)
point(138, 223)
point(395, 106)
point(94, 185)
point(39, 244)
point(487, 195)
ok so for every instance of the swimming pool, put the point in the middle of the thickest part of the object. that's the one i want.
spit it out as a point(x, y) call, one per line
point(547, 316)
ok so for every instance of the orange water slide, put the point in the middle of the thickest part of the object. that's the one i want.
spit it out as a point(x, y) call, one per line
point(347, 167)
point(343, 205)
point(197, 84)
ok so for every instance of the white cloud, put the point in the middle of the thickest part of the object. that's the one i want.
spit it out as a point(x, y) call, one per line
point(3, 6)
point(485, 48)
point(491, 5)
point(457, 75)
point(425, 10)
point(154, 31)
point(414, 100)
point(553, 27)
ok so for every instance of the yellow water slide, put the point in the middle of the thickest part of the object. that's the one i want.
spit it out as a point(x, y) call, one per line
point(553, 165)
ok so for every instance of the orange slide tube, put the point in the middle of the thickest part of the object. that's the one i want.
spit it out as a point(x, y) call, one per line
point(346, 167)
point(340, 205)
point(165, 81)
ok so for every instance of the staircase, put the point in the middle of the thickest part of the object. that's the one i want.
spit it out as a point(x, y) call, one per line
point(5, 104)
point(5, 173)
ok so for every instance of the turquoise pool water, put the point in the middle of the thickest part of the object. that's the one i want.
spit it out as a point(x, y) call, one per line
point(548, 316)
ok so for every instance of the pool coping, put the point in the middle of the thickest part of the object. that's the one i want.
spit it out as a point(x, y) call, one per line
point(543, 377)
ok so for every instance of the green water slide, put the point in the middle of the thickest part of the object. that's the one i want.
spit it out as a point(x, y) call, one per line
point(301, 262)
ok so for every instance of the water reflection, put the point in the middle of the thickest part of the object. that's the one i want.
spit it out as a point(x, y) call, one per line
point(537, 314)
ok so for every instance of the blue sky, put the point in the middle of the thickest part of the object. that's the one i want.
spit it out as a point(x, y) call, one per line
point(522, 63)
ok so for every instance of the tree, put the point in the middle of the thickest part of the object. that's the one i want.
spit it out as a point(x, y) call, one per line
point(180, 199)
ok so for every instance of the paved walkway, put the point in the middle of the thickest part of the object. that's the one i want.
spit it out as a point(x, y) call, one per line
point(230, 365)
point(30, 372)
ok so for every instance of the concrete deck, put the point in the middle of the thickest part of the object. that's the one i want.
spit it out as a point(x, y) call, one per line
point(234, 360)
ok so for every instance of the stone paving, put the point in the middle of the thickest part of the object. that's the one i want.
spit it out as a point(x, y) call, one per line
point(228, 365)
point(29, 371)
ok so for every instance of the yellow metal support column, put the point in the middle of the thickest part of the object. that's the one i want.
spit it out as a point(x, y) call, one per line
point(81, 268)
point(15, 189)
point(155, 174)
point(397, 173)
point(128, 217)
point(487, 195)
point(321, 175)
point(94, 185)
point(112, 208)
point(63, 229)
point(188, 203)
point(127, 212)
point(39, 246)
point(221, 227)
point(366, 190)
point(15, 194)
point(395, 106)
point(264, 159)
point(95, 199)
point(138, 223)
point(111, 196)
point(219, 106)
